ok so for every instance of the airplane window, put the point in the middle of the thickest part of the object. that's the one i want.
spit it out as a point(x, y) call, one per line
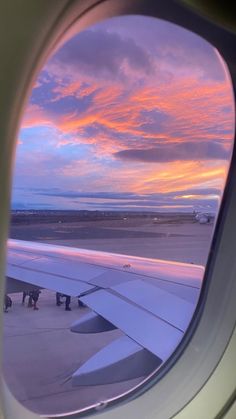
point(121, 163)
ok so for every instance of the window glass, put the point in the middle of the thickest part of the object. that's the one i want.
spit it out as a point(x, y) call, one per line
point(124, 149)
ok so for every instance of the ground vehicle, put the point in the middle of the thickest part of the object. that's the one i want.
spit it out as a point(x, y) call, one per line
point(210, 366)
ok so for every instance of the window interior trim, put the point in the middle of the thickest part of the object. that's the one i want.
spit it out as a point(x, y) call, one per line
point(212, 331)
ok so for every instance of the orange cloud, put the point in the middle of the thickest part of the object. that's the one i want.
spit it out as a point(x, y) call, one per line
point(177, 176)
point(195, 112)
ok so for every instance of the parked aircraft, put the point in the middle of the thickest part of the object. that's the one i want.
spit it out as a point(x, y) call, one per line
point(204, 218)
point(199, 379)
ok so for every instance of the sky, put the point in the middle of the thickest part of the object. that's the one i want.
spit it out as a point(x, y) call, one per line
point(133, 113)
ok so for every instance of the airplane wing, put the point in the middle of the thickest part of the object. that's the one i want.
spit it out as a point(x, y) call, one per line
point(151, 301)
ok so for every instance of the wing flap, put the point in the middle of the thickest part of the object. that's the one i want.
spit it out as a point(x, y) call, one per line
point(121, 360)
point(152, 333)
point(162, 304)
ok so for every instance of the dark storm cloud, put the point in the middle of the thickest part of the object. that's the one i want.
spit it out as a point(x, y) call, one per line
point(101, 52)
point(176, 151)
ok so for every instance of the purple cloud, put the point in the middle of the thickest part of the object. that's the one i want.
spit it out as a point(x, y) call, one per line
point(123, 195)
point(103, 53)
point(180, 49)
point(169, 152)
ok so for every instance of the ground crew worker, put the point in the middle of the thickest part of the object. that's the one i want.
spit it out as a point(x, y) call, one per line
point(25, 294)
point(68, 300)
point(30, 300)
point(7, 303)
point(58, 298)
point(34, 295)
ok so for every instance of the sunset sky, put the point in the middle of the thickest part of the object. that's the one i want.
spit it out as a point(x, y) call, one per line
point(132, 114)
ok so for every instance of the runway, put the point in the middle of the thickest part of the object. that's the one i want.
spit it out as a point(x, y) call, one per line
point(178, 238)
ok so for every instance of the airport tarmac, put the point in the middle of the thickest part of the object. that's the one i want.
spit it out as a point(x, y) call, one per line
point(175, 240)
point(40, 351)
point(41, 354)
